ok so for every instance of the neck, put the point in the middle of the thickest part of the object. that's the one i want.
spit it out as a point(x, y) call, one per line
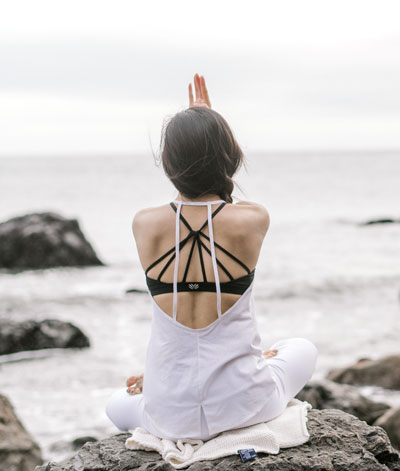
point(209, 197)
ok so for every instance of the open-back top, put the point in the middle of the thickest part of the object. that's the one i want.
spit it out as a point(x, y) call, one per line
point(200, 382)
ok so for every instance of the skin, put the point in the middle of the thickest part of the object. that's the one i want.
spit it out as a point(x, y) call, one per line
point(240, 228)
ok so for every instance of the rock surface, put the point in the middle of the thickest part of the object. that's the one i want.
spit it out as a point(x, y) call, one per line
point(327, 394)
point(18, 452)
point(390, 421)
point(44, 240)
point(34, 335)
point(384, 372)
point(338, 442)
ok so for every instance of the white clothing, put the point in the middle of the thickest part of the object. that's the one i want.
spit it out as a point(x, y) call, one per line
point(287, 430)
point(201, 382)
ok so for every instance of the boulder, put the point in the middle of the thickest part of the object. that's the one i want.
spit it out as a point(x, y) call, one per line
point(44, 240)
point(327, 394)
point(135, 291)
point(18, 451)
point(338, 442)
point(35, 335)
point(384, 372)
point(379, 221)
point(390, 421)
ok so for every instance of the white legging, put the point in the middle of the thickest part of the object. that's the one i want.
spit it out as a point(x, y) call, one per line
point(291, 368)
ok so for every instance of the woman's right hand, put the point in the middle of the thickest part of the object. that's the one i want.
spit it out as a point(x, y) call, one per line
point(202, 98)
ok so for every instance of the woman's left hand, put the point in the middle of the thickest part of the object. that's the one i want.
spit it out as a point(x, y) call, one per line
point(135, 384)
point(202, 98)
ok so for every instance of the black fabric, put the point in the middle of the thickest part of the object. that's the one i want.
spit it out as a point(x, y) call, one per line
point(237, 286)
point(234, 286)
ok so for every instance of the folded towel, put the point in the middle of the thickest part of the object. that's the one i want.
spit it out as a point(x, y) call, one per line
point(287, 430)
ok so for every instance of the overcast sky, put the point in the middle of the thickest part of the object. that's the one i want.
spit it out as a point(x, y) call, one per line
point(93, 76)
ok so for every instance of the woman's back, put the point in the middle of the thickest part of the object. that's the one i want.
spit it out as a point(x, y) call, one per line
point(205, 371)
point(238, 229)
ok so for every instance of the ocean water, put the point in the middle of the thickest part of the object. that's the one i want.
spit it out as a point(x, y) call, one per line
point(320, 274)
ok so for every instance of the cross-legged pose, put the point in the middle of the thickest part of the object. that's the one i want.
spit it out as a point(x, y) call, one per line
point(205, 370)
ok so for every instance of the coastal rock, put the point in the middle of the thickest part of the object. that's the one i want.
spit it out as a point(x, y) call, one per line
point(327, 394)
point(390, 421)
point(379, 221)
point(384, 372)
point(135, 290)
point(338, 442)
point(35, 335)
point(44, 240)
point(18, 451)
point(80, 441)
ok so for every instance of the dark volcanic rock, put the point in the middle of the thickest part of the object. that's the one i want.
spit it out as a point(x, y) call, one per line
point(44, 240)
point(18, 452)
point(379, 221)
point(338, 442)
point(35, 335)
point(135, 290)
point(327, 394)
point(390, 421)
point(384, 372)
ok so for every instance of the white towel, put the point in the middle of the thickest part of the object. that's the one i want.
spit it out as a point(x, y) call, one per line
point(287, 430)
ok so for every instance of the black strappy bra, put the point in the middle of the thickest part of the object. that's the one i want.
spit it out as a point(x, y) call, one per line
point(234, 286)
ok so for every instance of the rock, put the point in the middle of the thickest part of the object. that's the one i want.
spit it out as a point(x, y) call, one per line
point(379, 221)
point(135, 290)
point(18, 451)
point(390, 421)
point(384, 372)
point(327, 394)
point(338, 442)
point(80, 441)
point(44, 240)
point(35, 335)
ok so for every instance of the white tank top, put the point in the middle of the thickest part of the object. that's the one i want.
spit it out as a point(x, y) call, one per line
point(200, 382)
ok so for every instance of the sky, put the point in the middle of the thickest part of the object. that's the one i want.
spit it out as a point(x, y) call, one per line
point(94, 77)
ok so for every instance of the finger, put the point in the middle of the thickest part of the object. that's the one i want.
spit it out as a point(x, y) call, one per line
point(190, 95)
point(205, 91)
point(131, 380)
point(197, 87)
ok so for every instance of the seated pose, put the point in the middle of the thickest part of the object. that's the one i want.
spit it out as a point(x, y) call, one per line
point(205, 371)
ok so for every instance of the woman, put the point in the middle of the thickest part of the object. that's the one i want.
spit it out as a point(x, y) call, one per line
point(205, 371)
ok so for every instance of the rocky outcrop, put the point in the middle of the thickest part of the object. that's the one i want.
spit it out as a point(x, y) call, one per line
point(390, 421)
point(338, 442)
point(18, 452)
point(379, 221)
point(327, 394)
point(384, 372)
point(135, 291)
point(35, 335)
point(44, 240)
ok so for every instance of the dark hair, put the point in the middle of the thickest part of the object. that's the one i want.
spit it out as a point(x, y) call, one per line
point(199, 153)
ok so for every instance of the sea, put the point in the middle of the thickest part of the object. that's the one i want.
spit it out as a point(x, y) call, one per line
point(321, 274)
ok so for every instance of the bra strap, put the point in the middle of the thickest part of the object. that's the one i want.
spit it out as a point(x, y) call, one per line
point(213, 257)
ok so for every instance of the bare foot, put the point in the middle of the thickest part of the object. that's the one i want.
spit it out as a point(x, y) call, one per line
point(269, 353)
point(135, 384)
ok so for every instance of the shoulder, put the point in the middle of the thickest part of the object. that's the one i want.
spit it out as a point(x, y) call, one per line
point(254, 214)
point(148, 218)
